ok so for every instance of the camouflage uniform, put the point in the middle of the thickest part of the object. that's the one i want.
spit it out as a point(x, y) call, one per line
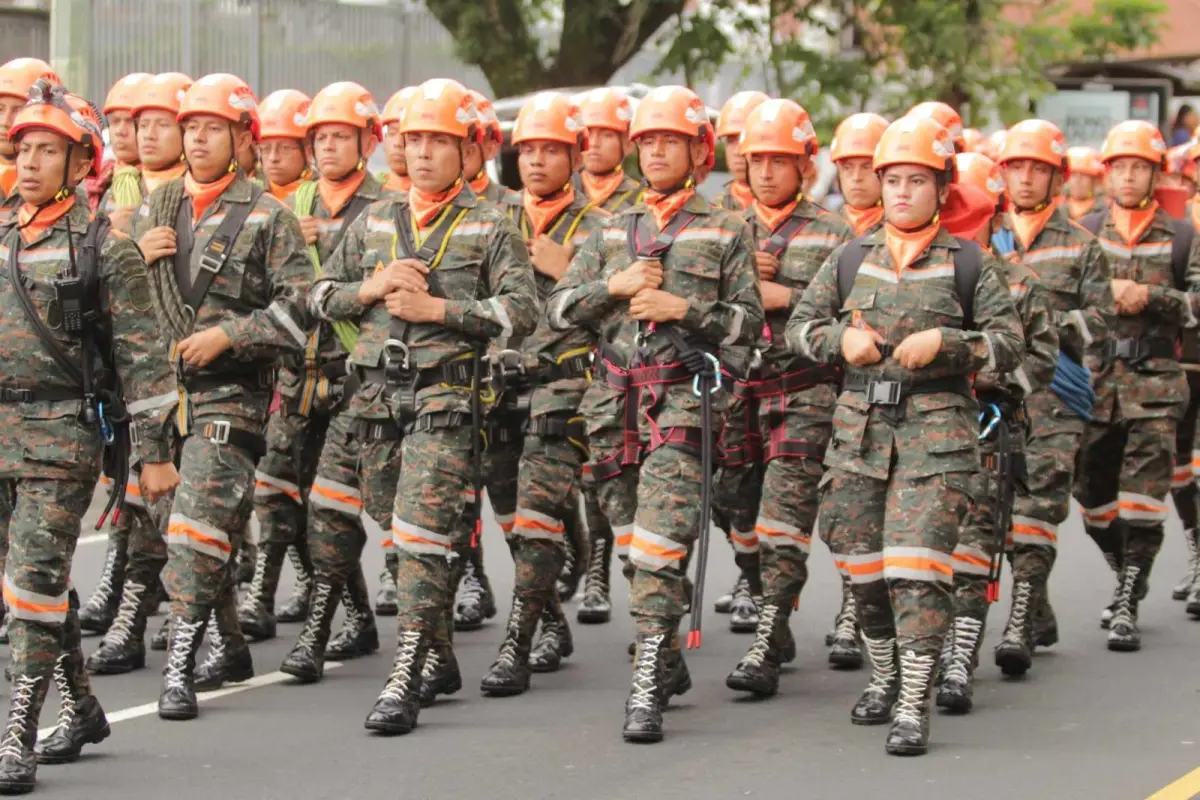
point(710, 262)
point(257, 299)
point(1128, 452)
point(627, 194)
point(485, 276)
point(728, 201)
point(898, 485)
point(794, 399)
point(50, 462)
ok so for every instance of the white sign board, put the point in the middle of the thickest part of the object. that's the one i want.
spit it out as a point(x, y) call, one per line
point(1085, 117)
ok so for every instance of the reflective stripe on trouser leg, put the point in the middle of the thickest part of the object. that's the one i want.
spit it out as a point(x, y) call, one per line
point(335, 503)
point(549, 470)
point(973, 555)
point(1145, 482)
point(851, 521)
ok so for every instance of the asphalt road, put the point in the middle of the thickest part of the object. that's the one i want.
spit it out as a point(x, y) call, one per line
point(1085, 723)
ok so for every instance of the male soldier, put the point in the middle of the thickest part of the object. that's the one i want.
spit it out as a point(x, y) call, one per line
point(1085, 184)
point(60, 403)
point(982, 539)
point(396, 178)
point(903, 449)
point(737, 195)
point(228, 275)
point(686, 270)
point(479, 155)
point(284, 149)
point(16, 78)
point(1074, 271)
point(457, 275)
point(551, 141)
point(125, 189)
point(852, 150)
point(1128, 454)
point(606, 115)
point(1184, 489)
point(793, 396)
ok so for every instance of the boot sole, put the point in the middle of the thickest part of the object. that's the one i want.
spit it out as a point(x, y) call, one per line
point(907, 749)
point(467, 627)
point(749, 687)
point(115, 669)
point(256, 634)
point(1124, 647)
point(847, 661)
point(643, 737)
point(743, 627)
point(545, 667)
point(955, 705)
point(219, 684)
point(388, 728)
point(386, 611)
point(96, 738)
point(349, 655)
point(1193, 610)
point(178, 715)
point(870, 721)
point(1178, 595)
point(1012, 664)
point(14, 787)
point(503, 691)
point(288, 620)
point(301, 675)
point(587, 617)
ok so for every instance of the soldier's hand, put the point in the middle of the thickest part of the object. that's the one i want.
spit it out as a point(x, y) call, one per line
point(655, 305)
point(158, 480)
point(918, 349)
point(202, 348)
point(550, 258)
point(383, 281)
point(157, 243)
point(311, 229)
point(636, 277)
point(768, 265)
point(776, 296)
point(858, 346)
point(120, 218)
point(416, 307)
point(1131, 298)
point(409, 274)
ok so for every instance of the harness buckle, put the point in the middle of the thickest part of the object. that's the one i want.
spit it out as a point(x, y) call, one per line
point(214, 255)
point(391, 348)
point(217, 432)
point(1127, 349)
point(883, 393)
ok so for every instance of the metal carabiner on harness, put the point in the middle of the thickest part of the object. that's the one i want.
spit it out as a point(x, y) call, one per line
point(393, 346)
point(106, 431)
point(992, 423)
point(716, 366)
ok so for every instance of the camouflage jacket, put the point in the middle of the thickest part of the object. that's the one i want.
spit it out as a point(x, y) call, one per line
point(257, 298)
point(1156, 388)
point(45, 439)
point(546, 347)
point(484, 275)
point(498, 193)
point(936, 433)
point(727, 201)
point(627, 194)
point(1036, 370)
point(710, 263)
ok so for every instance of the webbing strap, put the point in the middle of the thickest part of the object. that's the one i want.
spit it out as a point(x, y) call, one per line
point(216, 252)
point(777, 242)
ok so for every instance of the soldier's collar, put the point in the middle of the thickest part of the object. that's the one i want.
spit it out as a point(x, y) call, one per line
point(370, 188)
point(239, 191)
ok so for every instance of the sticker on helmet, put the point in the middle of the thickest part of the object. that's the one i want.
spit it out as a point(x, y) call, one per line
point(942, 145)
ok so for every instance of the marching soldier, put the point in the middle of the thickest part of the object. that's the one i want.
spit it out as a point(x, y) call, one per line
point(607, 113)
point(1085, 184)
point(396, 179)
point(852, 151)
point(122, 136)
point(16, 79)
point(737, 195)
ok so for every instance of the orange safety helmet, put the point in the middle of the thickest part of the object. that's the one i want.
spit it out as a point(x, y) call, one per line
point(441, 105)
point(221, 95)
point(980, 171)
point(972, 139)
point(347, 103)
point(992, 145)
point(673, 109)
point(1135, 138)
point(550, 116)
point(606, 108)
point(283, 114)
point(778, 126)
point(1178, 162)
point(164, 92)
point(857, 136)
point(943, 115)
point(51, 107)
point(124, 93)
point(487, 115)
point(394, 108)
point(916, 140)
point(18, 76)
point(735, 111)
point(1035, 140)
point(1085, 161)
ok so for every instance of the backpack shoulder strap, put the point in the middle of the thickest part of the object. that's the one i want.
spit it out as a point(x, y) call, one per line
point(968, 264)
point(1093, 222)
point(219, 247)
point(354, 209)
point(849, 260)
point(1181, 250)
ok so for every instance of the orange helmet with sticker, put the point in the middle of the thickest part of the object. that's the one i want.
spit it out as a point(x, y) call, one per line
point(18, 76)
point(345, 103)
point(124, 93)
point(857, 136)
point(221, 95)
point(916, 140)
point(943, 115)
point(52, 108)
point(550, 116)
point(735, 111)
point(778, 126)
point(1135, 138)
point(444, 106)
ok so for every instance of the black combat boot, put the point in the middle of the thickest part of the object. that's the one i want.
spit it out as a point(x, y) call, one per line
point(875, 705)
point(509, 673)
point(177, 701)
point(440, 675)
point(1014, 654)
point(124, 647)
point(846, 651)
point(644, 708)
point(724, 603)
point(758, 671)
point(1123, 633)
point(475, 600)
point(98, 613)
point(225, 662)
point(18, 761)
point(555, 642)
point(359, 636)
point(1181, 589)
point(256, 614)
point(81, 720)
point(396, 710)
point(247, 555)
point(306, 661)
point(678, 680)
point(1193, 599)
point(385, 599)
point(955, 690)
point(576, 552)
point(596, 606)
point(847, 598)
point(743, 611)
point(295, 608)
point(909, 735)
point(159, 640)
point(1045, 623)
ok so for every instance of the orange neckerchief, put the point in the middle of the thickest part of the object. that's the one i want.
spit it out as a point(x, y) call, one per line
point(601, 187)
point(205, 194)
point(425, 206)
point(335, 194)
point(42, 222)
point(157, 177)
point(1131, 223)
point(664, 206)
point(772, 217)
point(863, 219)
point(398, 183)
point(8, 178)
point(480, 183)
point(544, 210)
point(284, 191)
point(741, 194)
point(1080, 208)
point(1028, 224)
point(905, 246)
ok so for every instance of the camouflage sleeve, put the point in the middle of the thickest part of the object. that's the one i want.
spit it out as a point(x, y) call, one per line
point(843, 233)
point(737, 316)
point(996, 344)
point(1193, 278)
point(814, 330)
point(139, 352)
point(1041, 340)
point(581, 298)
point(1088, 325)
point(335, 295)
point(1174, 304)
point(281, 326)
point(512, 309)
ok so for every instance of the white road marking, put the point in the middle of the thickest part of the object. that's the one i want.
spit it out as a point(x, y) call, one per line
point(92, 538)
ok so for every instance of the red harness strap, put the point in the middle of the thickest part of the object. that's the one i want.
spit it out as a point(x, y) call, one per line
point(750, 450)
point(774, 392)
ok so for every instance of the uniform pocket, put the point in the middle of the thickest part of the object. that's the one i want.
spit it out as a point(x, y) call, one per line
point(850, 423)
point(52, 434)
point(942, 307)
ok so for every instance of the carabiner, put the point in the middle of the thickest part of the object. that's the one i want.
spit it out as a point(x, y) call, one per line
point(106, 431)
point(991, 426)
point(716, 365)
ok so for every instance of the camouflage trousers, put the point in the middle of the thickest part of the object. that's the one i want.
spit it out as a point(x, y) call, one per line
point(41, 520)
point(1125, 470)
point(738, 486)
point(144, 531)
point(1187, 461)
point(614, 498)
point(285, 474)
point(894, 540)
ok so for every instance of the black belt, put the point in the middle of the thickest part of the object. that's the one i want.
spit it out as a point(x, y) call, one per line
point(1135, 351)
point(223, 432)
point(557, 426)
point(11, 394)
point(437, 421)
point(893, 394)
point(369, 431)
point(454, 373)
point(262, 379)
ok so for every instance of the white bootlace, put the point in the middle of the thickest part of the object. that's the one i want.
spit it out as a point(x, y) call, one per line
point(307, 640)
point(386, 582)
point(915, 673)
point(962, 648)
point(433, 662)
point(354, 615)
point(507, 656)
point(401, 677)
point(121, 629)
point(216, 644)
point(24, 688)
point(883, 665)
point(1014, 632)
point(595, 587)
point(847, 621)
point(104, 588)
point(550, 639)
point(472, 589)
point(179, 651)
point(1193, 556)
point(762, 636)
point(302, 576)
point(1123, 613)
point(66, 693)
point(644, 693)
point(253, 598)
